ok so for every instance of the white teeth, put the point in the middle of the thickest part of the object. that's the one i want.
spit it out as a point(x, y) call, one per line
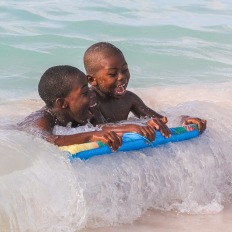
point(121, 89)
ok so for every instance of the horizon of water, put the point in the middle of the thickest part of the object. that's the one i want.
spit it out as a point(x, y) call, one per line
point(180, 60)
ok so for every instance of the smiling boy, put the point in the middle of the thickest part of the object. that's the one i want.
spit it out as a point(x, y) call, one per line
point(108, 74)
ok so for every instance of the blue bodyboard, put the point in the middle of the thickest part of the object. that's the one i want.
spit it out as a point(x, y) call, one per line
point(131, 141)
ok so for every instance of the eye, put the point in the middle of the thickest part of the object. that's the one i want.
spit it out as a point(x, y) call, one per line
point(125, 70)
point(112, 74)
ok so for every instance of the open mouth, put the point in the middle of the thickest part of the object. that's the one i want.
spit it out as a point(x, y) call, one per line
point(120, 89)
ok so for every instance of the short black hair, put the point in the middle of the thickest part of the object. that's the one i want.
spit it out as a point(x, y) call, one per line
point(57, 82)
point(96, 52)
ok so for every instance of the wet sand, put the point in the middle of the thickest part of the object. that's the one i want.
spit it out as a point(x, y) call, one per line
point(173, 222)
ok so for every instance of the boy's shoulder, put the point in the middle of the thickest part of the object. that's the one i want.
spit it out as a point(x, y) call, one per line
point(36, 119)
point(131, 95)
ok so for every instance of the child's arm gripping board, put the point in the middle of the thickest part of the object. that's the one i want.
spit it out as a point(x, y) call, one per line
point(131, 141)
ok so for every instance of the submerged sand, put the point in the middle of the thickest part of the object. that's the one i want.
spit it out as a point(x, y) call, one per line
point(174, 222)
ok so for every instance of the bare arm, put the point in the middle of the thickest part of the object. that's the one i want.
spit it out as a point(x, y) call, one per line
point(113, 140)
point(42, 124)
point(110, 138)
point(146, 131)
point(139, 109)
point(158, 121)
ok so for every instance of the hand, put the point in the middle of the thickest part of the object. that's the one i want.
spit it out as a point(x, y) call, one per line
point(113, 140)
point(164, 120)
point(146, 131)
point(201, 123)
point(159, 124)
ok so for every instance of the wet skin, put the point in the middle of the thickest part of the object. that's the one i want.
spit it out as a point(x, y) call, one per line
point(111, 102)
point(72, 108)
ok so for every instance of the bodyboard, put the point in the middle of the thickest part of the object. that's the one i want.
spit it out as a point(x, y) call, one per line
point(130, 141)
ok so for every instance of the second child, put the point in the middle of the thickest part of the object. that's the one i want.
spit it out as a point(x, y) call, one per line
point(108, 74)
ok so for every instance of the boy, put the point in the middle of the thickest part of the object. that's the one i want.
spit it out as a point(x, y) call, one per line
point(108, 75)
point(64, 89)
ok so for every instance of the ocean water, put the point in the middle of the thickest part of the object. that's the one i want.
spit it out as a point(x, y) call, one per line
point(180, 59)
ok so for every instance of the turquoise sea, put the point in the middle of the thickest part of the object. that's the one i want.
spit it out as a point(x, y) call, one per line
point(180, 59)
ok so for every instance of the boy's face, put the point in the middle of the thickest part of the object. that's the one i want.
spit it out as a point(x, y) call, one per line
point(112, 76)
point(78, 101)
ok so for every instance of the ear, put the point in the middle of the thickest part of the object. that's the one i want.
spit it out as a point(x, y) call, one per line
point(61, 103)
point(92, 81)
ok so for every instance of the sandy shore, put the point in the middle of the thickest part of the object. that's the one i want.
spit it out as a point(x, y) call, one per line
point(173, 222)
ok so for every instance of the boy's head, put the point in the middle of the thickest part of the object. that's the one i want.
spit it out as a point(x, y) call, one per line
point(65, 88)
point(106, 69)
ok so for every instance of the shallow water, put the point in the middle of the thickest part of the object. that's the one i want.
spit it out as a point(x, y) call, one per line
point(179, 55)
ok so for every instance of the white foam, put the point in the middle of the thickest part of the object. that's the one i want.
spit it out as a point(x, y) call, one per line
point(40, 189)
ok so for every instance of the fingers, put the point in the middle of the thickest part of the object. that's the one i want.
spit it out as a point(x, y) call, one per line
point(165, 131)
point(201, 123)
point(113, 140)
point(164, 120)
point(159, 124)
point(153, 124)
point(148, 132)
